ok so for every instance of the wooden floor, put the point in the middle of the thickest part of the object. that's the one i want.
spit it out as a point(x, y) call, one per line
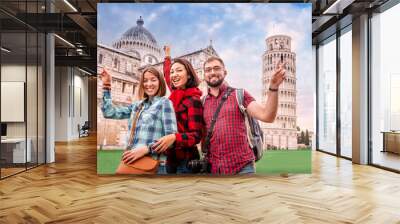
point(10, 171)
point(387, 159)
point(69, 191)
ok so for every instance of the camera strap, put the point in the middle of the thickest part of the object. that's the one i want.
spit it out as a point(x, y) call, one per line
point(214, 119)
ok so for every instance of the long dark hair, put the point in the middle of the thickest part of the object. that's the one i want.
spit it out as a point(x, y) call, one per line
point(193, 80)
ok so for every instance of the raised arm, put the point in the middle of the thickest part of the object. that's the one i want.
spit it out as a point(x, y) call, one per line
point(114, 112)
point(107, 107)
point(267, 112)
point(167, 66)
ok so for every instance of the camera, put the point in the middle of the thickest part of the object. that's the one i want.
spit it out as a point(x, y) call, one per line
point(199, 166)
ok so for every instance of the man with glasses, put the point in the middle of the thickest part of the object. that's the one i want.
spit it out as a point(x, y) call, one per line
point(228, 150)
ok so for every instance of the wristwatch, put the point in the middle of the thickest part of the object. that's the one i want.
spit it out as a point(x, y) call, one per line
point(273, 90)
point(107, 87)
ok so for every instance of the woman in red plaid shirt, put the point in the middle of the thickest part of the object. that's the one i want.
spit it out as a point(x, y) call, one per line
point(185, 96)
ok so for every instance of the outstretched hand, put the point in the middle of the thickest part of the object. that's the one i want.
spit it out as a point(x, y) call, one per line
point(167, 50)
point(106, 79)
point(278, 76)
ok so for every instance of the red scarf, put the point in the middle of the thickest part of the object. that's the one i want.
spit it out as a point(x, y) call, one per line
point(177, 95)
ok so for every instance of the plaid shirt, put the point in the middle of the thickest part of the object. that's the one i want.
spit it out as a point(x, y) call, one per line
point(229, 150)
point(156, 120)
point(189, 116)
point(190, 125)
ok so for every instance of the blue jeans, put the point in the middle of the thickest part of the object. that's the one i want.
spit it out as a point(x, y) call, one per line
point(180, 169)
point(162, 170)
point(248, 169)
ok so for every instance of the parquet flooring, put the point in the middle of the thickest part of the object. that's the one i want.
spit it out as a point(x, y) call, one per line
point(9, 171)
point(69, 191)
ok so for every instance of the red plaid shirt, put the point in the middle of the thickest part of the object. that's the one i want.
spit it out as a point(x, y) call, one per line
point(189, 116)
point(229, 149)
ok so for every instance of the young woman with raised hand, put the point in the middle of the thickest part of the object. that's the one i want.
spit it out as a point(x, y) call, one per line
point(154, 114)
point(185, 96)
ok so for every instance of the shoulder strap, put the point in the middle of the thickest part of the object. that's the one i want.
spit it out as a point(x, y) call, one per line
point(249, 127)
point(240, 99)
point(134, 121)
point(214, 119)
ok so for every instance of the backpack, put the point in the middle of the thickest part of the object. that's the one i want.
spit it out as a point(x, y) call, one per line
point(255, 135)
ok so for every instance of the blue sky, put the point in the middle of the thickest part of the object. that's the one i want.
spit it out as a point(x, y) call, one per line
point(237, 31)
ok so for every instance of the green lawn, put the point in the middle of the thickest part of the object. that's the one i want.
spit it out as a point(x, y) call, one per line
point(108, 161)
point(285, 161)
point(273, 161)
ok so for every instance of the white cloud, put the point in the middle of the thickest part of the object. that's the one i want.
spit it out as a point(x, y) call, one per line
point(159, 13)
point(215, 27)
point(110, 30)
point(241, 13)
point(209, 28)
point(244, 64)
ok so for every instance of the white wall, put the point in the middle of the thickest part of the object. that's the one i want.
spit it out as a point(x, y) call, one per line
point(80, 89)
point(33, 127)
point(61, 103)
point(14, 73)
point(70, 84)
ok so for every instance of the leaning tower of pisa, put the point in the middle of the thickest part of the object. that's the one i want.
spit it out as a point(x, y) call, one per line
point(282, 133)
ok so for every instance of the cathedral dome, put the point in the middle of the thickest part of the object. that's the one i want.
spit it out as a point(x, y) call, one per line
point(139, 33)
point(139, 42)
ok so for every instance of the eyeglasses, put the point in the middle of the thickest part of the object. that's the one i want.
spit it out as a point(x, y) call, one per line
point(215, 68)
